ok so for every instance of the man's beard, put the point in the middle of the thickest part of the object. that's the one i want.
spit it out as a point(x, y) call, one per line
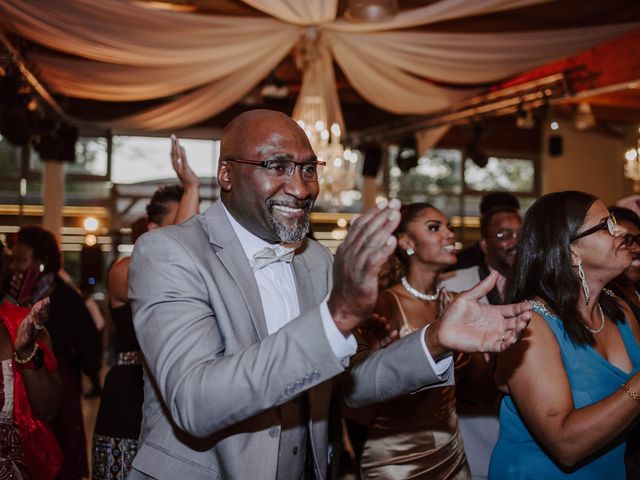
point(286, 233)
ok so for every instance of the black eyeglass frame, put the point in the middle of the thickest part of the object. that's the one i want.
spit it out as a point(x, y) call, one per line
point(608, 224)
point(265, 164)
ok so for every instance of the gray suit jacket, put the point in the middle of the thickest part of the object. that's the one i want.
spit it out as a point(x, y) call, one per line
point(215, 379)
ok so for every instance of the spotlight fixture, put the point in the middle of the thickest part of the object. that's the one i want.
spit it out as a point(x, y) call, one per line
point(525, 118)
point(474, 148)
point(407, 154)
point(584, 118)
point(371, 10)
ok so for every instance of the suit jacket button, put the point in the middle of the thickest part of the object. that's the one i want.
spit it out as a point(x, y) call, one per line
point(288, 391)
point(274, 432)
point(315, 375)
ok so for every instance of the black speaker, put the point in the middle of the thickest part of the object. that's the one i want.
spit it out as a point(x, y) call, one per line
point(555, 145)
point(372, 159)
point(69, 136)
point(90, 265)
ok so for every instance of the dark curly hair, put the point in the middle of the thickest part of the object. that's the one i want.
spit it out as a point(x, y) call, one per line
point(158, 205)
point(543, 265)
point(44, 245)
point(485, 220)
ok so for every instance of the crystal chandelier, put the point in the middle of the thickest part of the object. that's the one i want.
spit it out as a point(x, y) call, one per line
point(632, 164)
point(318, 112)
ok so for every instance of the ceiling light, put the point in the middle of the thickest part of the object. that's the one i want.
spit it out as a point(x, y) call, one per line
point(584, 118)
point(371, 10)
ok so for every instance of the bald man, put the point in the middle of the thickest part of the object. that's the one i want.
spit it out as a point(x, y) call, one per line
point(245, 323)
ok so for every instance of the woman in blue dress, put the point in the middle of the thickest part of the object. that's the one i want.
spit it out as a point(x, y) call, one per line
point(572, 383)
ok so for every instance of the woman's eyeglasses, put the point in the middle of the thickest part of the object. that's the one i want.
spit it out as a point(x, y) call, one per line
point(629, 239)
point(608, 224)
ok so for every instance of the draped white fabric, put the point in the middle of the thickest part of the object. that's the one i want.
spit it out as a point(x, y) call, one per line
point(118, 50)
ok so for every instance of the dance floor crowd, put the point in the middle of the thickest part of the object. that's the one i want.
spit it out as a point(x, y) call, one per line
point(245, 350)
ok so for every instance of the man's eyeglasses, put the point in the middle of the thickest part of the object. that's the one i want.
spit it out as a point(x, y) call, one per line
point(629, 239)
point(608, 224)
point(507, 234)
point(282, 170)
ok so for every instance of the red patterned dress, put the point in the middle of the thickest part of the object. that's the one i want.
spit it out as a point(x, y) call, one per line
point(28, 448)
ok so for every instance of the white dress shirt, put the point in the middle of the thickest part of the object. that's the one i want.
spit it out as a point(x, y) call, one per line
point(279, 297)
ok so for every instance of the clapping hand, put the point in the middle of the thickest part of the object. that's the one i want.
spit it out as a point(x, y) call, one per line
point(357, 263)
point(179, 162)
point(31, 326)
point(469, 326)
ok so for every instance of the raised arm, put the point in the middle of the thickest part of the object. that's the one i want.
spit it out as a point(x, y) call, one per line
point(190, 201)
point(534, 373)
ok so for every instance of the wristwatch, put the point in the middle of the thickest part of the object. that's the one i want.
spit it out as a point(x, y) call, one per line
point(35, 361)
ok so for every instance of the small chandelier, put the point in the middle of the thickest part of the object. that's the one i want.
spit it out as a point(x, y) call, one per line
point(632, 164)
point(318, 112)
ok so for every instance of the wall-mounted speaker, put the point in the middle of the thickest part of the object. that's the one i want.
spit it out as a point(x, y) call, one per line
point(555, 145)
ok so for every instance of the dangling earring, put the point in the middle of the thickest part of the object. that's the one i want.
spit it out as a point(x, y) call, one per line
point(410, 251)
point(41, 267)
point(583, 280)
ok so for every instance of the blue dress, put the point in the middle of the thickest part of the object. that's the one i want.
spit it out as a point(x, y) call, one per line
point(518, 456)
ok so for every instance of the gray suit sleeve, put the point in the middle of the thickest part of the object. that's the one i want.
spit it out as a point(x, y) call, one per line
point(205, 387)
point(400, 368)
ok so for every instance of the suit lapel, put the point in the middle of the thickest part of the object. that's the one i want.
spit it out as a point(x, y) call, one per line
point(304, 286)
point(319, 397)
point(228, 249)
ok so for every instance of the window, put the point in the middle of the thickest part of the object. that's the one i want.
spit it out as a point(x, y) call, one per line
point(146, 159)
point(91, 157)
point(501, 174)
point(437, 178)
point(9, 159)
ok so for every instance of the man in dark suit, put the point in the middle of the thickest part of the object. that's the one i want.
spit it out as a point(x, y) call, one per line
point(244, 322)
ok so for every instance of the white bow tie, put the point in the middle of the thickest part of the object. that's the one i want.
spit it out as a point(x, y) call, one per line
point(272, 254)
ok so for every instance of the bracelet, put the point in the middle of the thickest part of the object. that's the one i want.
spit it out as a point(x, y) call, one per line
point(631, 393)
point(22, 361)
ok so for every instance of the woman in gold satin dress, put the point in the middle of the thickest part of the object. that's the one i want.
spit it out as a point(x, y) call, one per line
point(417, 436)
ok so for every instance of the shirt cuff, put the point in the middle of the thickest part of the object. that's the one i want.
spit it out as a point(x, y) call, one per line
point(440, 367)
point(343, 347)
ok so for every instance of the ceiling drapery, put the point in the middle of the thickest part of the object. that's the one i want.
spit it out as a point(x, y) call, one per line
point(117, 50)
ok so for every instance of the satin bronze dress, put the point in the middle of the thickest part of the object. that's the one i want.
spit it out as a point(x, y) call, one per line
point(415, 436)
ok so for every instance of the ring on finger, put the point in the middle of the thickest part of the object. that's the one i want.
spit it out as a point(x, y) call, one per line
point(38, 326)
